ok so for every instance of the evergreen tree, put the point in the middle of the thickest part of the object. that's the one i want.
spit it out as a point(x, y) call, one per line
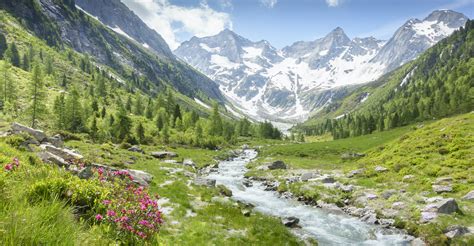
point(49, 65)
point(3, 45)
point(123, 125)
point(12, 55)
point(60, 111)
point(128, 105)
point(26, 63)
point(215, 128)
point(165, 133)
point(37, 107)
point(94, 129)
point(74, 112)
point(150, 109)
point(140, 132)
point(8, 90)
point(138, 108)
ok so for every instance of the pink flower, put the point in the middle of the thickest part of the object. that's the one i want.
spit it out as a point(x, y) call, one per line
point(106, 202)
point(99, 217)
point(143, 222)
point(8, 167)
point(111, 213)
point(100, 171)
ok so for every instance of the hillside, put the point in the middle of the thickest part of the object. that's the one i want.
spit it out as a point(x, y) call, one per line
point(392, 177)
point(437, 84)
point(61, 24)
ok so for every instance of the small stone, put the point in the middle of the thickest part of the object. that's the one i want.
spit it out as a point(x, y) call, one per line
point(135, 148)
point(388, 193)
point(469, 196)
point(328, 180)
point(370, 218)
point(455, 231)
point(291, 222)
point(163, 154)
point(189, 162)
point(428, 216)
point(247, 183)
point(246, 212)
point(347, 188)
point(205, 182)
point(408, 177)
point(140, 177)
point(371, 196)
point(443, 180)
point(445, 206)
point(442, 188)
point(355, 172)
point(277, 165)
point(170, 161)
point(417, 242)
point(380, 169)
point(398, 205)
point(308, 176)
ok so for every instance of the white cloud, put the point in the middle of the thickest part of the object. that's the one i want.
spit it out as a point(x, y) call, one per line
point(333, 3)
point(170, 20)
point(269, 3)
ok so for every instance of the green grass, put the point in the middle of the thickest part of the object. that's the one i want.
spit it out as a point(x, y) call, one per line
point(327, 154)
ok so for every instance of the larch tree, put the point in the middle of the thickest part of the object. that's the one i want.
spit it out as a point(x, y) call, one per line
point(37, 106)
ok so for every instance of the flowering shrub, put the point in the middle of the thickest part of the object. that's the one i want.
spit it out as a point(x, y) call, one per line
point(129, 209)
point(13, 165)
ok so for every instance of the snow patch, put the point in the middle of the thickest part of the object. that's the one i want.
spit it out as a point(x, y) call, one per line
point(202, 103)
point(223, 62)
point(209, 49)
point(407, 77)
point(232, 111)
point(121, 32)
point(87, 13)
point(252, 52)
point(146, 45)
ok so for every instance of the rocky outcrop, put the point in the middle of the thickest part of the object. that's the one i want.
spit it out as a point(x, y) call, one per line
point(442, 188)
point(163, 154)
point(291, 222)
point(277, 165)
point(39, 135)
point(64, 153)
point(200, 181)
point(455, 231)
point(136, 148)
point(469, 196)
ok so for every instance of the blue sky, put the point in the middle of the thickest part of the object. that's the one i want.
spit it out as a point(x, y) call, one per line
point(283, 22)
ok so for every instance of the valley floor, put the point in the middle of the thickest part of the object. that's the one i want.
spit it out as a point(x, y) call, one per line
point(395, 178)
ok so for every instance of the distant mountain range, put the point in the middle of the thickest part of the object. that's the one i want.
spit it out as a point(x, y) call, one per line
point(290, 84)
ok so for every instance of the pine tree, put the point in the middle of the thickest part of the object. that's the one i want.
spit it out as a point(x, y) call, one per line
point(215, 128)
point(12, 55)
point(37, 94)
point(3, 45)
point(140, 132)
point(94, 129)
point(74, 112)
point(60, 111)
point(8, 90)
point(165, 134)
point(26, 63)
point(123, 125)
point(49, 65)
point(149, 109)
point(138, 109)
point(128, 105)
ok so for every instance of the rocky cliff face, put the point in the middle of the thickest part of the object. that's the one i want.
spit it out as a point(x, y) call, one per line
point(292, 83)
point(121, 19)
point(62, 24)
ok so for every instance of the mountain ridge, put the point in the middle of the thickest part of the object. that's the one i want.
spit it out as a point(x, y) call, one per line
point(294, 82)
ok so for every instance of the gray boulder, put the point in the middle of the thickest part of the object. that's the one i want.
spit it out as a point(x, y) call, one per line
point(328, 180)
point(86, 173)
point(56, 140)
point(205, 182)
point(444, 206)
point(355, 172)
point(291, 222)
point(48, 157)
point(308, 176)
point(163, 154)
point(277, 165)
point(189, 162)
point(64, 153)
point(370, 218)
point(380, 169)
point(37, 134)
point(388, 193)
point(455, 231)
point(140, 177)
point(136, 148)
point(247, 183)
point(442, 188)
point(469, 196)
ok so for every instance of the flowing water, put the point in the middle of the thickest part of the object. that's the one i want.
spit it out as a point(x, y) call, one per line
point(327, 228)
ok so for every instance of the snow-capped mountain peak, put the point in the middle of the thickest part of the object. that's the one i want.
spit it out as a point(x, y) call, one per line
point(288, 84)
